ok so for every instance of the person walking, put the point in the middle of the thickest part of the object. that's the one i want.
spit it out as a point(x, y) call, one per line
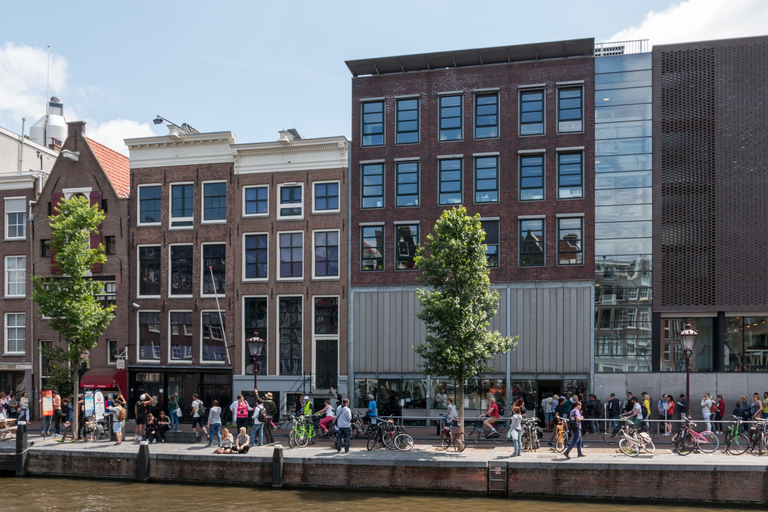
point(197, 417)
point(614, 411)
point(706, 410)
point(271, 409)
point(344, 424)
point(214, 423)
point(516, 430)
point(24, 407)
point(57, 414)
point(68, 418)
point(173, 413)
point(574, 420)
point(259, 415)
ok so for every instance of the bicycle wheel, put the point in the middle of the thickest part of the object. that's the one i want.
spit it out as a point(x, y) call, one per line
point(648, 446)
point(736, 445)
point(372, 440)
point(388, 438)
point(90, 435)
point(707, 442)
point(611, 436)
point(302, 438)
point(628, 447)
point(460, 442)
point(292, 439)
point(355, 432)
point(502, 437)
point(525, 442)
point(404, 442)
point(473, 435)
point(312, 434)
point(685, 444)
point(535, 445)
point(445, 439)
point(562, 442)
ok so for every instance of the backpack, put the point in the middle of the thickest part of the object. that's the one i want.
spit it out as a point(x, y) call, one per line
point(262, 417)
point(200, 408)
point(501, 409)
point(573, 422)
point(121, 414)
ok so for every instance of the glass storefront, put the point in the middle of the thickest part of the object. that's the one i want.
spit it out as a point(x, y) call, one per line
point(672, 356)
point(746, 344)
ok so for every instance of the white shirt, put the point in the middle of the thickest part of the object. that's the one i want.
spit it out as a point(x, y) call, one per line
point(196, 407)
point(639, 410)
point(255, 416)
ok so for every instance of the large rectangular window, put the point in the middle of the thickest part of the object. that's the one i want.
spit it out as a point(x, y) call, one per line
point(450, 118)
point(256, 253)
point(15, 208)
point(450, 180)
point(491, 228)
point(486, 116)
point(407, 243)
point(326, 341)
point(407, 184)
point(255, 321)
point(15, 333)
point(569, 241)
point(108, 297)
point(15, 276)
point(372, 250)
point(570, 109)
point(149, 270)
point(291, 203)
point(532, 112)
point(215, 201)
point(214, 269)
point(570, 175)
point(291, 255)
point(182, 270)
point(149, 204)
point(290, 324)
point(326, 315)
point(532, 243)
point(213, 324)
point(407, 121)
point(256, 200)
point(373, 123)
point(327, 196)
point(181, 335)
point(373, 185)
point(182, 205)
point(326, 254)
point(531, 177)
point(487, 179)
point(149, 335)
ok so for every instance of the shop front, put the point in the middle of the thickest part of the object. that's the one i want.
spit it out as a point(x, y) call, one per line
point(109, 382)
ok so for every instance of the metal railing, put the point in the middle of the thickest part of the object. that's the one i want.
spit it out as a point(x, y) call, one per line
point(613, 48)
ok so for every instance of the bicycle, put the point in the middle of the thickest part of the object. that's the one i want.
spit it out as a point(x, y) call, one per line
point(736, 442)
point(758, 438)
point(477, 432)
point(562, 438)
point(96, 430)
point(448, 439)
point(302, 433)
point(392, 436)
point(633, 439)
point(688, 440)
point(611, 437)
point(529, 439)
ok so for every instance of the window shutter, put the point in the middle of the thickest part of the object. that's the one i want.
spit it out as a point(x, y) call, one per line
point(96, 237)
point(55, 199)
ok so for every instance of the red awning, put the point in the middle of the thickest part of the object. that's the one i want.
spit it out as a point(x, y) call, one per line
point(105, 379)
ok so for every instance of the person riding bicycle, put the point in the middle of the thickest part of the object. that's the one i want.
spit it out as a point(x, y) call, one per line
point(327, 414)
point(635, 415)
point(491, 416)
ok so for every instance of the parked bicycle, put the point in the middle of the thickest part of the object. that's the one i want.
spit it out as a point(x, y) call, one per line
point(562, 438)
point(611, 432)
point(96, 430)
point(736, 442)
point(477, 432)
point(758, 437)
point(391, 435)
point(448, 438)
point(688, 440)
point(303, 432)
point(634, 439)
point(529, 439)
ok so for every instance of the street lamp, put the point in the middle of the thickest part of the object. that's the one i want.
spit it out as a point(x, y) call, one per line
point(255, 348)
point(688, 341)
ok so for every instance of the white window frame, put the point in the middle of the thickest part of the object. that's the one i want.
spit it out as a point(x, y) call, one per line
point(209, 361)
point(632, 318)
point(170, 272)
point(280, 204)
point(138, 272)
point(247, 358)
point(107, 294)
point(277, 256)
point(316, 337)
point(23, 211)
point(171, 360)
point(246, 215)
point(321, 212)
point(203, 269)
point(8, 279)
point(138, 209)
point(5, 335)
point(171, 218)
point(138, 337)
point(315, 277)
point(202, 203)
point(242, 270)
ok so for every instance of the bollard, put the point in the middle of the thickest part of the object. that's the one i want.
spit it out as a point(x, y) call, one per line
point(21, 449)
point(277, 467)
point(143, 462)
point(110, 419)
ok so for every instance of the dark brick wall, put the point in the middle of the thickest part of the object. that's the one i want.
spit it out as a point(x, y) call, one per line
point(507, 78)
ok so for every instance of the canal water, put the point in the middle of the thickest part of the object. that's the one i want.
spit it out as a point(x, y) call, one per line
point(60, 494)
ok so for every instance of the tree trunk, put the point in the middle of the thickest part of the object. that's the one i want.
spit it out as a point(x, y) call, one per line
point(75, 403)
point(460, 401)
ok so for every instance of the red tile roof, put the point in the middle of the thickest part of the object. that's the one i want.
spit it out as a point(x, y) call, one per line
point(115, 165)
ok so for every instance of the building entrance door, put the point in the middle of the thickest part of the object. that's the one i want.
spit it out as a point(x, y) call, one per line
point(183, 386)
point(326, 363)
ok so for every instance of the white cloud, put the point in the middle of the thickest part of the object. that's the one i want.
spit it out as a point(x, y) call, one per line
point(700, 20)
point(112, 133)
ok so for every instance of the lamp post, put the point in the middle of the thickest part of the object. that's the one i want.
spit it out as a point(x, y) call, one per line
point(688, 341)
point(255, 348)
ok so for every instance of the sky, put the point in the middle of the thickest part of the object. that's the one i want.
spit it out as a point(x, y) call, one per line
point(254, 68)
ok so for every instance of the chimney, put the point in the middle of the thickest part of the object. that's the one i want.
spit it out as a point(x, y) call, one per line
point(76, 129)
point(55, 145)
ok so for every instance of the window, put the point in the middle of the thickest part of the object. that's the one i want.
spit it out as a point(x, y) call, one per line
point(326, 263)
point(491, 228)
point(532, 112)
point(15, 276)
point(256, 200)
point(291, 255)
point(108, 297)
point(373, 123)
point(450, 181)
point(15, 333)
point(372, 250)
point(256, 254)
point(111, 351)
point(290, 201)
point(486, 116)
point(182, 206)
point(407, 121)
point(149, 204)
point(149, 270)
point(215, 201)
point(181, 270)
point(109, 243)
point(255, 320)
point(290, 335)
point(181, 335)
point(569, 235)
point(326, 315)
point(45, 248)
point(569, 175)
point(531, 177)
point(214, 269)
point(487, 179)
point(149, 335)
point(105, 206)
point(327, 197)
point(407, 187)
point(407, 243)
point(570, 109)
point(373, 185)
point(15, 208)
point(213, 336)
point(450, 118)
point(532, 243)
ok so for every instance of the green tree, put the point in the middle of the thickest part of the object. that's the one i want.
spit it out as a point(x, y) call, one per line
point(70, 300)
point(460, 303)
